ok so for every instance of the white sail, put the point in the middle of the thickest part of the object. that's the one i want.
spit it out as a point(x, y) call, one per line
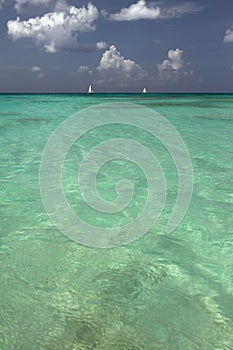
point(144, 91)
point(90, 90)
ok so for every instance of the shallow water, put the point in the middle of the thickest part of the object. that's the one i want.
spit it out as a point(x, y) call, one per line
point(163, 291)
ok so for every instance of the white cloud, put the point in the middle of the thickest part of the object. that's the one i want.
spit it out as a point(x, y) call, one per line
point(56, 31)
point(172, 67)
point(160, 9)
point(84, 69)
point(23, 5)
point(101, 45)
point(36, 69)
point(228, 36)
point(104, 13)
point(136, 11)
point(174, 60)
point(114, 67)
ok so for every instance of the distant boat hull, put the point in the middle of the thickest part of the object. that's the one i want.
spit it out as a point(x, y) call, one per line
point(144, 91)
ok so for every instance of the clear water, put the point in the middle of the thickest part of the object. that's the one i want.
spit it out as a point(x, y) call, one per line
point(164, 291)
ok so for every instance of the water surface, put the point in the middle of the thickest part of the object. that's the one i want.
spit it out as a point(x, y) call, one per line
point(164, 291)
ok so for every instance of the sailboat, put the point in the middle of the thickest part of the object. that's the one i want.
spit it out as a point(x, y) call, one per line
point(90, 90)
point(144, 91)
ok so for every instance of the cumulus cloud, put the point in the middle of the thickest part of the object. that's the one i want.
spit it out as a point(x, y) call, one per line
point(58, 30)
point(141, 10)
point(174, 60)
point(101, 45)
point(136, 11)
point(228, 36)
point(84, 69)
point(114, 67)
point(174, 66)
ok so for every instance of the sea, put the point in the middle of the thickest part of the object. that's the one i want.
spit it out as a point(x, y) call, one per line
point(161, 290)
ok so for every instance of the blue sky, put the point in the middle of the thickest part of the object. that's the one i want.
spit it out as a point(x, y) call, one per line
point(117, 46)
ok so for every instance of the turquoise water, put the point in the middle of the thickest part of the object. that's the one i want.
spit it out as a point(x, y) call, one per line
point(163, 291)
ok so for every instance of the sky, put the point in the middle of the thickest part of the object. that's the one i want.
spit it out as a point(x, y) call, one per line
point(117, 46)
